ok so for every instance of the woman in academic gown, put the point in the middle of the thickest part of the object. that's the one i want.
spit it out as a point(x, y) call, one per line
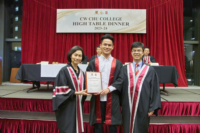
point(69, 94)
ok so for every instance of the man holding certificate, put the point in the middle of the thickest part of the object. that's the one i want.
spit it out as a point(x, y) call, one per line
point(105, 85)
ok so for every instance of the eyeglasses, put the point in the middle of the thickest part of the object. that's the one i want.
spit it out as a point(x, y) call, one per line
point(135, 51)
point(108, 45)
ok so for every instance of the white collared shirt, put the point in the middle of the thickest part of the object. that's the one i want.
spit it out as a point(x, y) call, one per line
point(104, 68)
point(139, 67)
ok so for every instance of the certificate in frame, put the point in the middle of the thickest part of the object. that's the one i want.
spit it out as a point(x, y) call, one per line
point(93, 82)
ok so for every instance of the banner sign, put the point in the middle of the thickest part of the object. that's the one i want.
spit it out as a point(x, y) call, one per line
point(101, 21)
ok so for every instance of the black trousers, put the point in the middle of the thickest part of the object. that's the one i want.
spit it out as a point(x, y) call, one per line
point(98, 128)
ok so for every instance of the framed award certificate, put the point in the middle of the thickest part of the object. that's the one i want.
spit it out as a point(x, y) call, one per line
point(93, 82)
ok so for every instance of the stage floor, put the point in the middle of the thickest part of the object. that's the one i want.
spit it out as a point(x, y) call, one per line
point(19, 90)
point(51, 117)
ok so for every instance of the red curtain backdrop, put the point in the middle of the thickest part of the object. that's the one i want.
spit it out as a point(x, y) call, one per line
point(40, 42)
point(45, 105)
point(37, 126)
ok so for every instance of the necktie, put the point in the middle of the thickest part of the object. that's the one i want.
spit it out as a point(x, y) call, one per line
point(146, 59)
point(136, 69)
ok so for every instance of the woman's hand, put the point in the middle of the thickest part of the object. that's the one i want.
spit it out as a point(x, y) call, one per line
point(83, 92)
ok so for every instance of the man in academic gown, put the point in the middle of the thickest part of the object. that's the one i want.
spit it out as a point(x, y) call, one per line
point(105, 106)
point(140, 93)
point(98, 50)
point(148, 59)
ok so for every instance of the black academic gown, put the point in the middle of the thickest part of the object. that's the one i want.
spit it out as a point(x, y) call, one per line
point(113, 113)
point(85, 60)
point(152, 59)
point(146, 98)
point(93, 57)
point(67, 106)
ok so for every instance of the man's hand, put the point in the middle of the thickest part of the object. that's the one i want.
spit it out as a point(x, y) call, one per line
point(150, 113)
point(103, 92)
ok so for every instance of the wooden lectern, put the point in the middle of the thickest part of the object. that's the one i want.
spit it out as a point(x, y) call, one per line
point(13, 74)
point(0, 71)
